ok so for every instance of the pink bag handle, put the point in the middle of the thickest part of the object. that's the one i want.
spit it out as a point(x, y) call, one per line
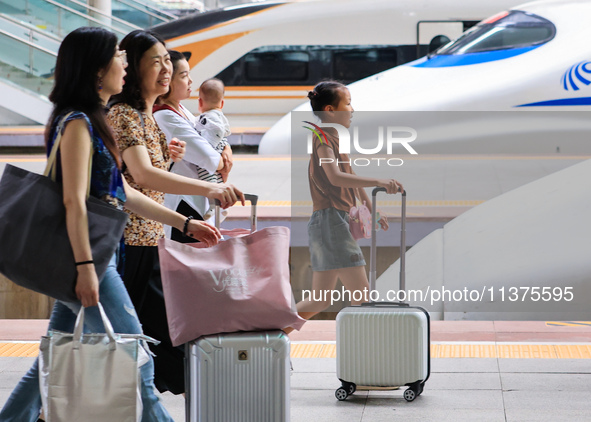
point(235, 232)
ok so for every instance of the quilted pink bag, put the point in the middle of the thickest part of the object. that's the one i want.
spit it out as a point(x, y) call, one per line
point(360, 222)
point(241, 284)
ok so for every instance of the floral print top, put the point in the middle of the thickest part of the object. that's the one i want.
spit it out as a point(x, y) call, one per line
point(127, 126)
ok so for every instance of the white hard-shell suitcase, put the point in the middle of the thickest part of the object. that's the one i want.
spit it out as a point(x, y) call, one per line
point(383, 344)
point(238, 377)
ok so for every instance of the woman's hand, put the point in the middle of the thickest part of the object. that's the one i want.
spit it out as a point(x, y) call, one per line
point(177, 149)
point(203, 232)
point(226, 193)
point(391, 185)
point(87, 285)
point(228, 162)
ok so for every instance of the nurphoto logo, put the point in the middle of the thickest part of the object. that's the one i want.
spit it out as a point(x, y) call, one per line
point(388, 135)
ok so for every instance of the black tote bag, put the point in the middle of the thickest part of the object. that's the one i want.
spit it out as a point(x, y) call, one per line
point(35, 250)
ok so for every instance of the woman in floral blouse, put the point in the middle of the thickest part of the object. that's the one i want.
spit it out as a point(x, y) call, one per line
point(146, 158)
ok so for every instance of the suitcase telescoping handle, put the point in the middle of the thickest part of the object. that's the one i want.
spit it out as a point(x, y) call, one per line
point(253, 211)
point(372, 262)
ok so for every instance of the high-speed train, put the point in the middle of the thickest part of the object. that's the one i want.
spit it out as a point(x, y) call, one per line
point(269, 54)
point(533, 57)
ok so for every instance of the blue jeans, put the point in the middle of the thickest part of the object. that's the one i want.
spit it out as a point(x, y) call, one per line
point(332, 245)
point(24, 404)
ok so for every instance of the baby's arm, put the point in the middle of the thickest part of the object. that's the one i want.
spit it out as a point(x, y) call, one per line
point(214, 127)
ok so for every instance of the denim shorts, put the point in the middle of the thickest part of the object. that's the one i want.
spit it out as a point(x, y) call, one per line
point(331, 244)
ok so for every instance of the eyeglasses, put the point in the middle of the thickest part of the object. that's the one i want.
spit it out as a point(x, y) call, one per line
point(122, 54)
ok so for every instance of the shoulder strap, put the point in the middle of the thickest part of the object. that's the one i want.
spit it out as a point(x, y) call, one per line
point(314, 181)
point(139, 113)
point(51, 165)
point(158, 107)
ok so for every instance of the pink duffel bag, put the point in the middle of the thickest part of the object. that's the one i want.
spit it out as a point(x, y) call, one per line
point(241, 284)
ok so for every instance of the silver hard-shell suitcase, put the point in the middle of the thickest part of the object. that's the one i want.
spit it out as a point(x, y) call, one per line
point(238, 377)
point(383, 344)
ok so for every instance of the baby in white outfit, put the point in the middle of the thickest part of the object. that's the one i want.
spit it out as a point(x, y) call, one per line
point(214, 127)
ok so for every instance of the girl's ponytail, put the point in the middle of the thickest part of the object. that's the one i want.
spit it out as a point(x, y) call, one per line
point(323, 94)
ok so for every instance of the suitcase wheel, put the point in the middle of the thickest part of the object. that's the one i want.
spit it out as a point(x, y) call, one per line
point(410, 395)
point(351, 388)
point(341, 394)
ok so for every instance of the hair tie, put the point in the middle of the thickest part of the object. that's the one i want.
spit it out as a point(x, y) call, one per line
point(312, 94)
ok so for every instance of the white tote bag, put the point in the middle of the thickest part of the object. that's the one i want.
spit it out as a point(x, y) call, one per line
point(91, 377)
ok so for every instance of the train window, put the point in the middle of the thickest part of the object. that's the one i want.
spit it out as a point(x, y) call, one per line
point(276, 66)
point(501, 32)
point(352, 65)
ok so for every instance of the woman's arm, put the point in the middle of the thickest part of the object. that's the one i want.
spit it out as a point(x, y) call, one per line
point(345, 180)
point(146, 207)
point(75, 149)
point(198, 150)
point(146, 175)
point(228, 162)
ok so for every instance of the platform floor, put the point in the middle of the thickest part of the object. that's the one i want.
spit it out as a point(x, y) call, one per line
point(481, 371)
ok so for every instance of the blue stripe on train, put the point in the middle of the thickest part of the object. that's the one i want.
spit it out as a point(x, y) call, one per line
point(581, 101)
point(470, 58)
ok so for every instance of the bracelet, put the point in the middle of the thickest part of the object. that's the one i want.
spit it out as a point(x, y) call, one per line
point(84, 262)
point(186, 226)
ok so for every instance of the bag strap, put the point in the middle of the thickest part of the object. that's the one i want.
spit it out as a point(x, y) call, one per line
point(50, 168)
point(235, 232)
point(108, 329)
point(139, 113)
point(315, 184)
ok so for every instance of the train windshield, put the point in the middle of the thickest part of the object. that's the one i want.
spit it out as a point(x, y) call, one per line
point(504, 31)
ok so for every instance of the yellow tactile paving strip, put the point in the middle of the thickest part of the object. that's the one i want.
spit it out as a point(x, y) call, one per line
point(22, 160)
point(503, 351)
point(328, 350)
point(21, 129)
point(422, 157)
point(463, 350)
point(26, 350)
point(421, 203)
point(424, 203)
point(443, 157)
point(569, 323)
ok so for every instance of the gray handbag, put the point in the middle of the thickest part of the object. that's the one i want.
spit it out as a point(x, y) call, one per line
point(35, 250)
point(91, 377)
